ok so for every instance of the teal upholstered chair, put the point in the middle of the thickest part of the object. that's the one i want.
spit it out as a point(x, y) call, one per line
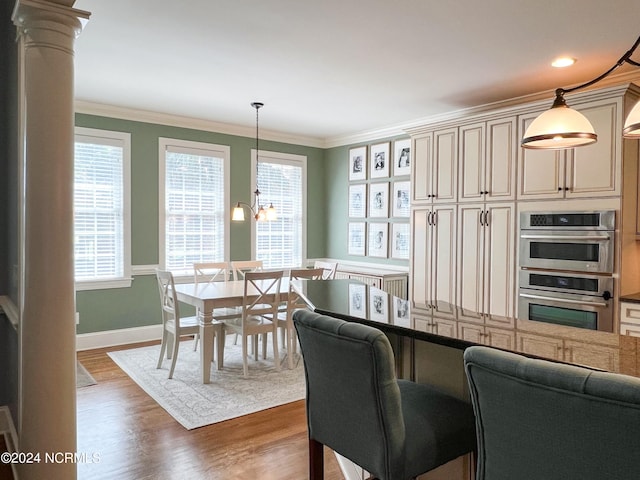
point(537, 419)
point(394, 429)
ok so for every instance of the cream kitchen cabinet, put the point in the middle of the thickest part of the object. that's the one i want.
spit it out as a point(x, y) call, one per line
point(439, 326)
point(486, 263)
point(433, 259)
point(435, 163)
point(487, 161)
point(578, 352)
point(491, 336)
point(588, 171)
point(630, 319)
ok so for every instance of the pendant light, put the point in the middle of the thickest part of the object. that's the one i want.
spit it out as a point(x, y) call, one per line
point(563, 127)
point(261, 214)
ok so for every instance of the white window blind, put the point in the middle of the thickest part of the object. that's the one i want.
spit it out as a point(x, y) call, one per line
point(281, 180)
point(101, 207)
point(195, 199)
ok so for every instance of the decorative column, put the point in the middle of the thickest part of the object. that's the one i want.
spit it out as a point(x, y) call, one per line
point(47, 419)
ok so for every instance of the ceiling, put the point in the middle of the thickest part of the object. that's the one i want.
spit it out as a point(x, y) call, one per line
point(331, 69)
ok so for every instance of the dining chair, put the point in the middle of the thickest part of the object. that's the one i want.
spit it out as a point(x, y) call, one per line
point(394, 429)
point(173, 325)
point(538, 419)
point(261, 298)
point(240, 267)
point(330, 269)
point(284, 319)
point(209, 272)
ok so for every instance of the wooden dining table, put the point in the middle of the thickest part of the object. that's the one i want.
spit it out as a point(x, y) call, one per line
point(208, 296)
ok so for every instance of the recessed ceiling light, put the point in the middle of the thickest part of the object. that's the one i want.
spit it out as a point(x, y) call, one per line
point(561, 62)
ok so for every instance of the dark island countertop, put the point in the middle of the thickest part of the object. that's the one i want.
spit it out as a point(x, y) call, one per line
point(633, 298)
point(354, 301)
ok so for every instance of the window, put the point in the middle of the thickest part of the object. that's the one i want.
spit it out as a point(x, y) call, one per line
point(281, 180)
point(194, 186)
point(102, 237)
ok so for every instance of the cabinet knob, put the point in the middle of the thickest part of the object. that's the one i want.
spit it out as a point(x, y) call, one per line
point(559, 189)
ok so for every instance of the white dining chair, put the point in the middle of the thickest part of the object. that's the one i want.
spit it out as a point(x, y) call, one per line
point(209, 272)
point(330, 269)
point(173, 325)
point(261, 298)
point(240, 267)
point(284, 319)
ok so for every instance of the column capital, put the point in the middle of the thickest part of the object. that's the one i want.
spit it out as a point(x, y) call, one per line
point(49, 23)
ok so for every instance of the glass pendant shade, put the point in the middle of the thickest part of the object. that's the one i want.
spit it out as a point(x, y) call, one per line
point(238, 214)
point(261, 216)
point(632, 125)
point(559, 127)
point(271, 213)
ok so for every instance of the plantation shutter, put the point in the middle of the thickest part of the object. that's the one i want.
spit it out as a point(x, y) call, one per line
point(98, 189)
point(279, 243)
point(194, 208)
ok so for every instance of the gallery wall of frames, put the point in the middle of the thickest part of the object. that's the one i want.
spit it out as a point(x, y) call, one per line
point(379, 192)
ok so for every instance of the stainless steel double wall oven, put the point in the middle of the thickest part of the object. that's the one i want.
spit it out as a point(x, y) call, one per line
point(566, 268)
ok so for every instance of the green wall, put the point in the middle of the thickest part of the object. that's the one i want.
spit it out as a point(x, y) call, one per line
point(337, 189)
point(136, 306)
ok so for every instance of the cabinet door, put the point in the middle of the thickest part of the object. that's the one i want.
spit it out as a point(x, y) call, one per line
point(590, 355)
point(471, 332)
point(472, 163)
point(421, 168)
point(500, 160)
point(470, 261)
point(546, 347)
point(444, 327)
point(499, 264)
point(541, 172)
point(500, 338)
point(595, 169)
point(443, 259)
point(445, 165)
point(420, 257)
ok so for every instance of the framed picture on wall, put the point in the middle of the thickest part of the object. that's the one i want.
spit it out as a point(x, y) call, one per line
point(358, 200)
point(379, 160)
point(402, 157)
point(400, 238)
point(356, 238)
point(358, 163)
point(379, 200)
point(400, 199)
point(378, 307)
point(377, 246)
point(357, 300)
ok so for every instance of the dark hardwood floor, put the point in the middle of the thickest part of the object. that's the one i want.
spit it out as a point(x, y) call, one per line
point(134, 438)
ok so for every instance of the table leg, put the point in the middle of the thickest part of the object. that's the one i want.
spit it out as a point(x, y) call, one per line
point(206, 345)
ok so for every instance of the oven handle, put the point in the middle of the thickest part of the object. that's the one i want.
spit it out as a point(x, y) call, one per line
point(562, 300)
point(565, 237)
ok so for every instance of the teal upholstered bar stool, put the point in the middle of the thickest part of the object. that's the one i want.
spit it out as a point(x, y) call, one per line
point(394, 429)
point(538, 419)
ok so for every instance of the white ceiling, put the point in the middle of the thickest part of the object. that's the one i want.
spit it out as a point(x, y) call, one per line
point(329, 69)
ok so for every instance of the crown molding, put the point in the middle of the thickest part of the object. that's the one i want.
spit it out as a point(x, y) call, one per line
point(146, 116)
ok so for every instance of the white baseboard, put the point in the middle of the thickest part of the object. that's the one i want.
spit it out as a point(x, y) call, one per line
point(350, 470)
point(8, 431)
point(110, 338)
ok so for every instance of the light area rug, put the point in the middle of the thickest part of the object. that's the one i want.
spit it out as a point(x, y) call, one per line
point(229, 395)
point(83, 378)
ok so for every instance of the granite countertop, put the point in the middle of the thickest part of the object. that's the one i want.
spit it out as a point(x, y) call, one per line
point(354, 301)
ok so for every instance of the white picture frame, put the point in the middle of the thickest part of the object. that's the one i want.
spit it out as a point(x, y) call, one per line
point(379, 200)
point(401, 312)
point(400, 201)
point(402, 157)
point(379, 160)
point(358, 300)
point(378, 305)
point(378, 242)
point(358, 163)
point(356, 238)
point(400, 241)
point(358, 200)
